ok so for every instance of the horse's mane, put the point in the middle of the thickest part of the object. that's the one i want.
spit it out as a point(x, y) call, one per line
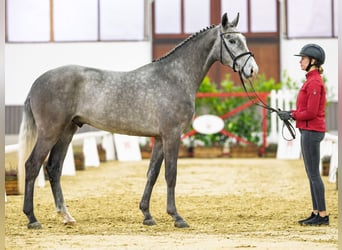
point(184, 42)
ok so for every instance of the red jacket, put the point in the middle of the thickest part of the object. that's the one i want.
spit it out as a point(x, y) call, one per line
point(311, 101)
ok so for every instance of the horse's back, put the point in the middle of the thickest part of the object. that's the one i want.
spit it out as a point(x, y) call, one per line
point(132, 102)
point(64, 76)
point(66, 82)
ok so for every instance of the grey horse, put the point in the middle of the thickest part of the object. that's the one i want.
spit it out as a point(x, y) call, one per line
point(155, 100)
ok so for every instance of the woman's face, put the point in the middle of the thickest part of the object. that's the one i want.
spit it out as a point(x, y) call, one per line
point(304, 62)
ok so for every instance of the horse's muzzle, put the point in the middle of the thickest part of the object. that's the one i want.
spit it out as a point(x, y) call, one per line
point(250, 72)
point(249, 68)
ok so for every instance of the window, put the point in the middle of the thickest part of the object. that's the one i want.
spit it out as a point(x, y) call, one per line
point(232, 7)
point(263, 16)
point(179, 18)
point(315, 18)
point(75, 20)
point(124, 23)
point(168, 16)
point(28, 20)
point(198, 19)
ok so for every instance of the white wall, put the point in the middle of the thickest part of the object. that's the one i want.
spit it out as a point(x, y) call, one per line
point(290, 63)
point(25, 62)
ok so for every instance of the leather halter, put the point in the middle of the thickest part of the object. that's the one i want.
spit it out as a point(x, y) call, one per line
point(234, 58)
point(261, 103)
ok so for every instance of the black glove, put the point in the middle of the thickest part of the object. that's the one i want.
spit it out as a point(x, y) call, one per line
point(284, 115)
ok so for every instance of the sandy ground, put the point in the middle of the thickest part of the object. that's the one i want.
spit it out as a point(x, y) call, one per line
point(229, 204)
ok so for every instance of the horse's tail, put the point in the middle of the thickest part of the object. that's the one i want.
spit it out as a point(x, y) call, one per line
point(27, 138)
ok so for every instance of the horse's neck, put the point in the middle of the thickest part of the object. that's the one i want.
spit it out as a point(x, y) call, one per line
point(190, 63)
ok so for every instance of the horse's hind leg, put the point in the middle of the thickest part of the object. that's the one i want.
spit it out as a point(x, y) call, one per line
point(32, 167)
point(152, 175)
point(54, 169)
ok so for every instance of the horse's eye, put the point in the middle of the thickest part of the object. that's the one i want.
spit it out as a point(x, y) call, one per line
point(232, 41)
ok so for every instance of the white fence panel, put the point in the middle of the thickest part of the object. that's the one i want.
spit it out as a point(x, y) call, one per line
point(329, 147)
point(91, 156)
point(108, 145)
point(69, 163)
point(284, 100)
point(90, 151)
point(127, 147)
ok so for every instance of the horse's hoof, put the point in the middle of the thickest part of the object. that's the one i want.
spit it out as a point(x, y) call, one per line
point(69, 223)
point(181, 224)
point(149, 222)
point(67, 218)
point(34, 225)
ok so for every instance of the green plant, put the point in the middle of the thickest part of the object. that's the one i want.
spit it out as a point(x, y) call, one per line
point(246, 123)
point(288, 83)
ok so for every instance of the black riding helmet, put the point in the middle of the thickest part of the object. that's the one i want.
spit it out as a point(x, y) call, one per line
point(313, 51)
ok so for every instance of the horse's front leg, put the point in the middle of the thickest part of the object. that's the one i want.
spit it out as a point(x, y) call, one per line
point(152, 175)
point(171, 148)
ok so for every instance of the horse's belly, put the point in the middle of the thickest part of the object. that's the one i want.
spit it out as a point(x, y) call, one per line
point(125, 125)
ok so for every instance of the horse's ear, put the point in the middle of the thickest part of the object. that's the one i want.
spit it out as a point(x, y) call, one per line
point(236, 20)
point(224, 21)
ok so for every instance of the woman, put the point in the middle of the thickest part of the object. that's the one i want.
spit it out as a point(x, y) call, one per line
point(310, 120)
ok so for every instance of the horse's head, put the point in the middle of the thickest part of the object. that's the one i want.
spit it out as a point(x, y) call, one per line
point(233, 49)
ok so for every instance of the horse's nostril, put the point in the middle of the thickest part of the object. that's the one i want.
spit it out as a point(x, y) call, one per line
point(254, 71)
